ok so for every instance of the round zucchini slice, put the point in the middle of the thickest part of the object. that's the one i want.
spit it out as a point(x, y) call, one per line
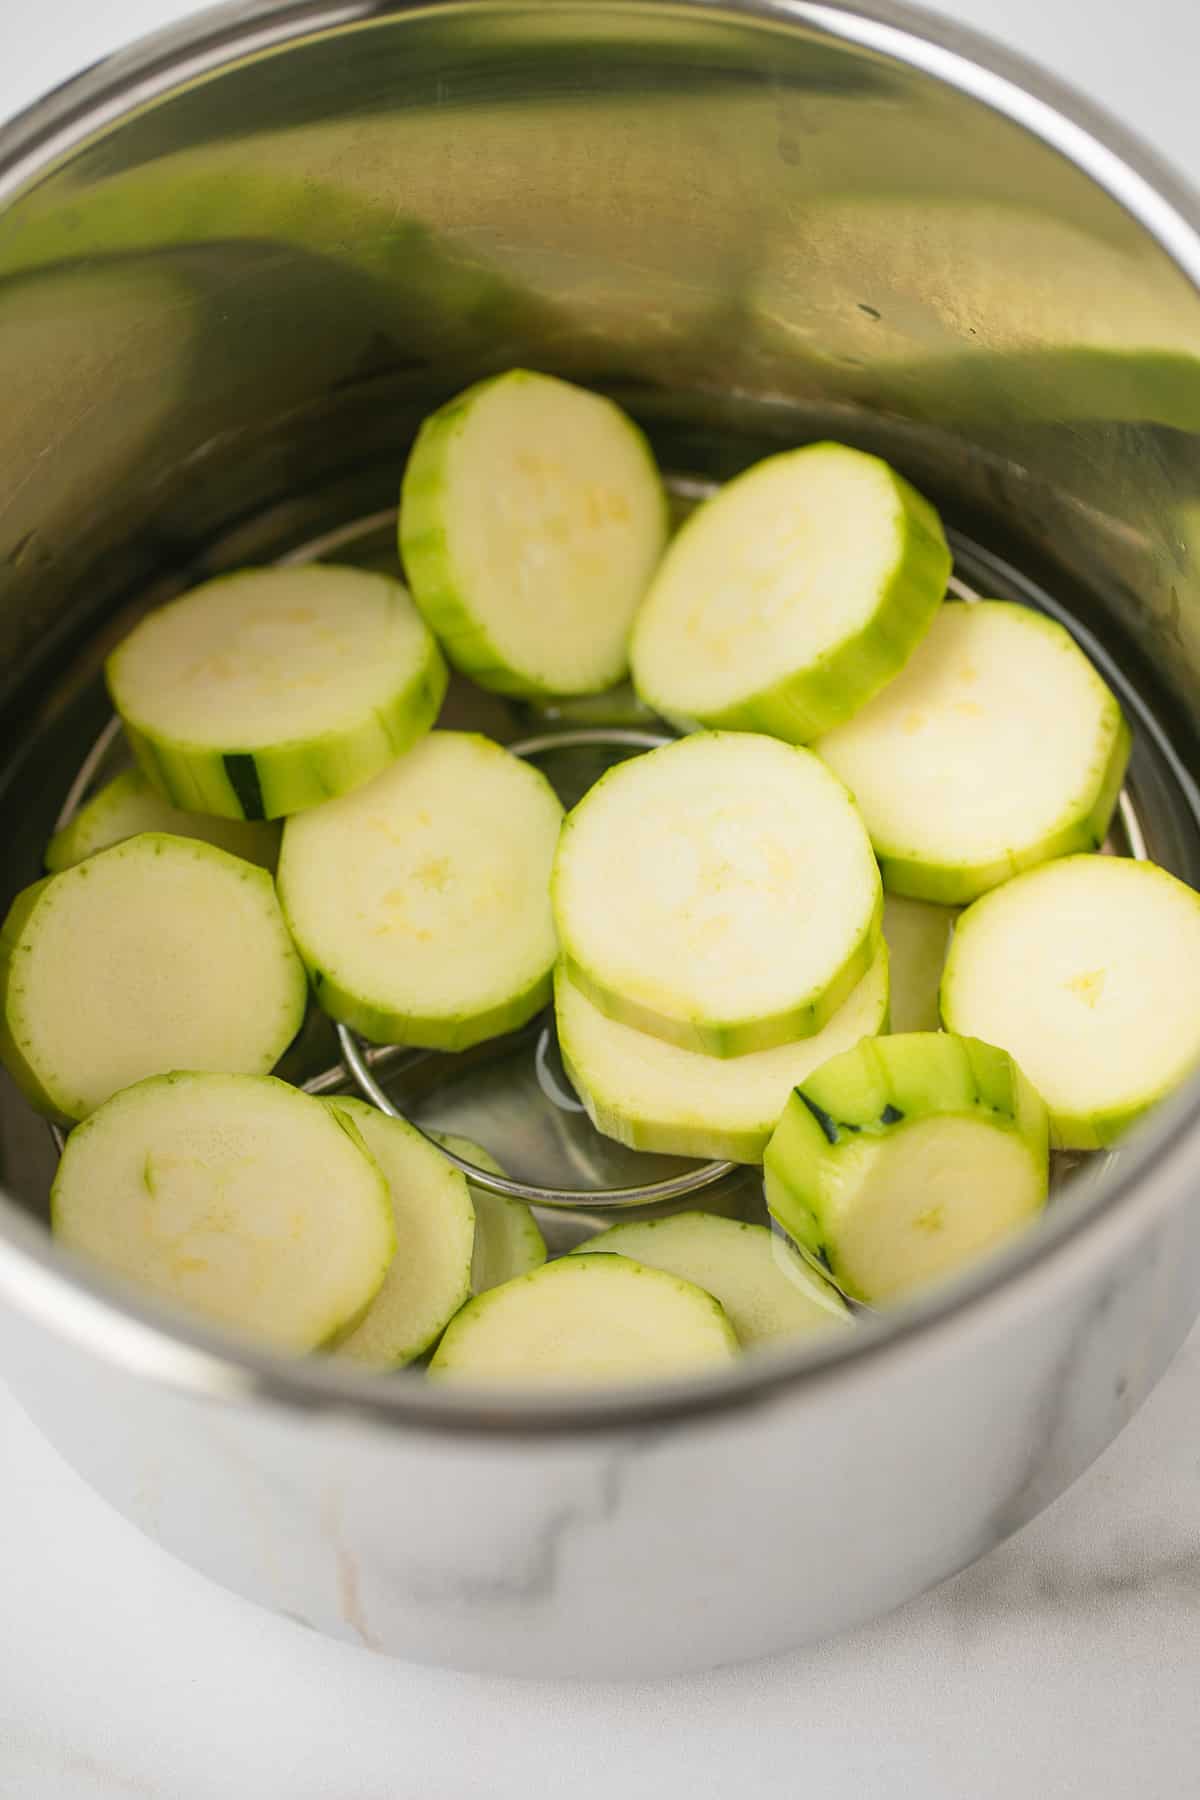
point(997, 748)
point(234, 1196)
point(162, 953)
point(420, 903)
point(719, 893)
point(586, 1319)
point(791, 596)
point(262, 693)
point(429, 1277)
point(766, 1288)
point(508, 1239)
point(905, 1159)
point(1088, 972)
point(532, 517)
point(656, 1096)
point(129, 804)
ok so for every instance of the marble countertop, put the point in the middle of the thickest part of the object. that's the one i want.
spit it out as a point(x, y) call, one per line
point(1067, 1664)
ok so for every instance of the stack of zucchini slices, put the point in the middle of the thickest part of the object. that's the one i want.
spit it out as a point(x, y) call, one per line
point(851, 925)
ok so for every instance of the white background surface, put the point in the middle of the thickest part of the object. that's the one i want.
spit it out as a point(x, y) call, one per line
point(1068, 1664)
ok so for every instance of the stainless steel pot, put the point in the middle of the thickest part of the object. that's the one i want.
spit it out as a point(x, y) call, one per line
point(236, 265)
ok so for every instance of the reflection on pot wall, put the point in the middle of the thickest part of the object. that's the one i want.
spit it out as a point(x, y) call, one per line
point(753, 236)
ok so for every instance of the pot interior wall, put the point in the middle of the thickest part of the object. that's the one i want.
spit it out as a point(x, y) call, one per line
point(221, 319)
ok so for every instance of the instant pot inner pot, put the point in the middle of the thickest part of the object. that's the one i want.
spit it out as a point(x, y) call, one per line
point(222, 319)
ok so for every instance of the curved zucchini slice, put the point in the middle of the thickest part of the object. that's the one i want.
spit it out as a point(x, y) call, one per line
point(420, 903)
point(1088, 972)
point(617, 708)
point(917, 935)
point(129, 804)
point(907, 1158)
point(532, 517)
point(791, 596)
point(765, 1287)
point(654, 1096)
point(508, 1239)
point(161, 953)
point(262, 693)
point(429, 1277)
point(586, 1319)
point(997, 748)
point(719, 893)
point(234, 1196)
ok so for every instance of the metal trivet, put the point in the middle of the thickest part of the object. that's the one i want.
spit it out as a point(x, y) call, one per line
point(362, 1063)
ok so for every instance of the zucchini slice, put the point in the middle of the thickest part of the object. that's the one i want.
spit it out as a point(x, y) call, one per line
point(998, 747)
point(420, 902)
point(719, 893)
point(586, 1319)
point(429, 1277)
point(1088, 972)
point(508, 1239)
point(161, 953)
point(917, 935)
point(765, 1287)
point(655, 1096)
point(261, 693)
point(615, 709)
point(907, 1158)
point(128, 804)
point(235, 1196)
point(791, 596)
point(532, 517)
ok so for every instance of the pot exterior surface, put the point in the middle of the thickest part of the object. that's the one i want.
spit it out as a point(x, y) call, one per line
point(631, 1553)
point(237, 266)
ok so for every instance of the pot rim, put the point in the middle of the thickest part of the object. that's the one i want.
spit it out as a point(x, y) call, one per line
point(1079, 1234)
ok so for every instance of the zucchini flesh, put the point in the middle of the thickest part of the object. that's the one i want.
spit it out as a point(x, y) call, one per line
point(719, 893)
point(129, 804)
point(429, 1277)
point(905, 1159)
point(917, 935)
point(655, 1096)
point(791, 596)
point(1088, 972)
point(420, 902)
point(234, 1196)
point(586, 1319)
point(997, 748)
point(767, 1290)
point(508, 1239)
point(161, 953)
point(532, 517)
point(265, 692)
